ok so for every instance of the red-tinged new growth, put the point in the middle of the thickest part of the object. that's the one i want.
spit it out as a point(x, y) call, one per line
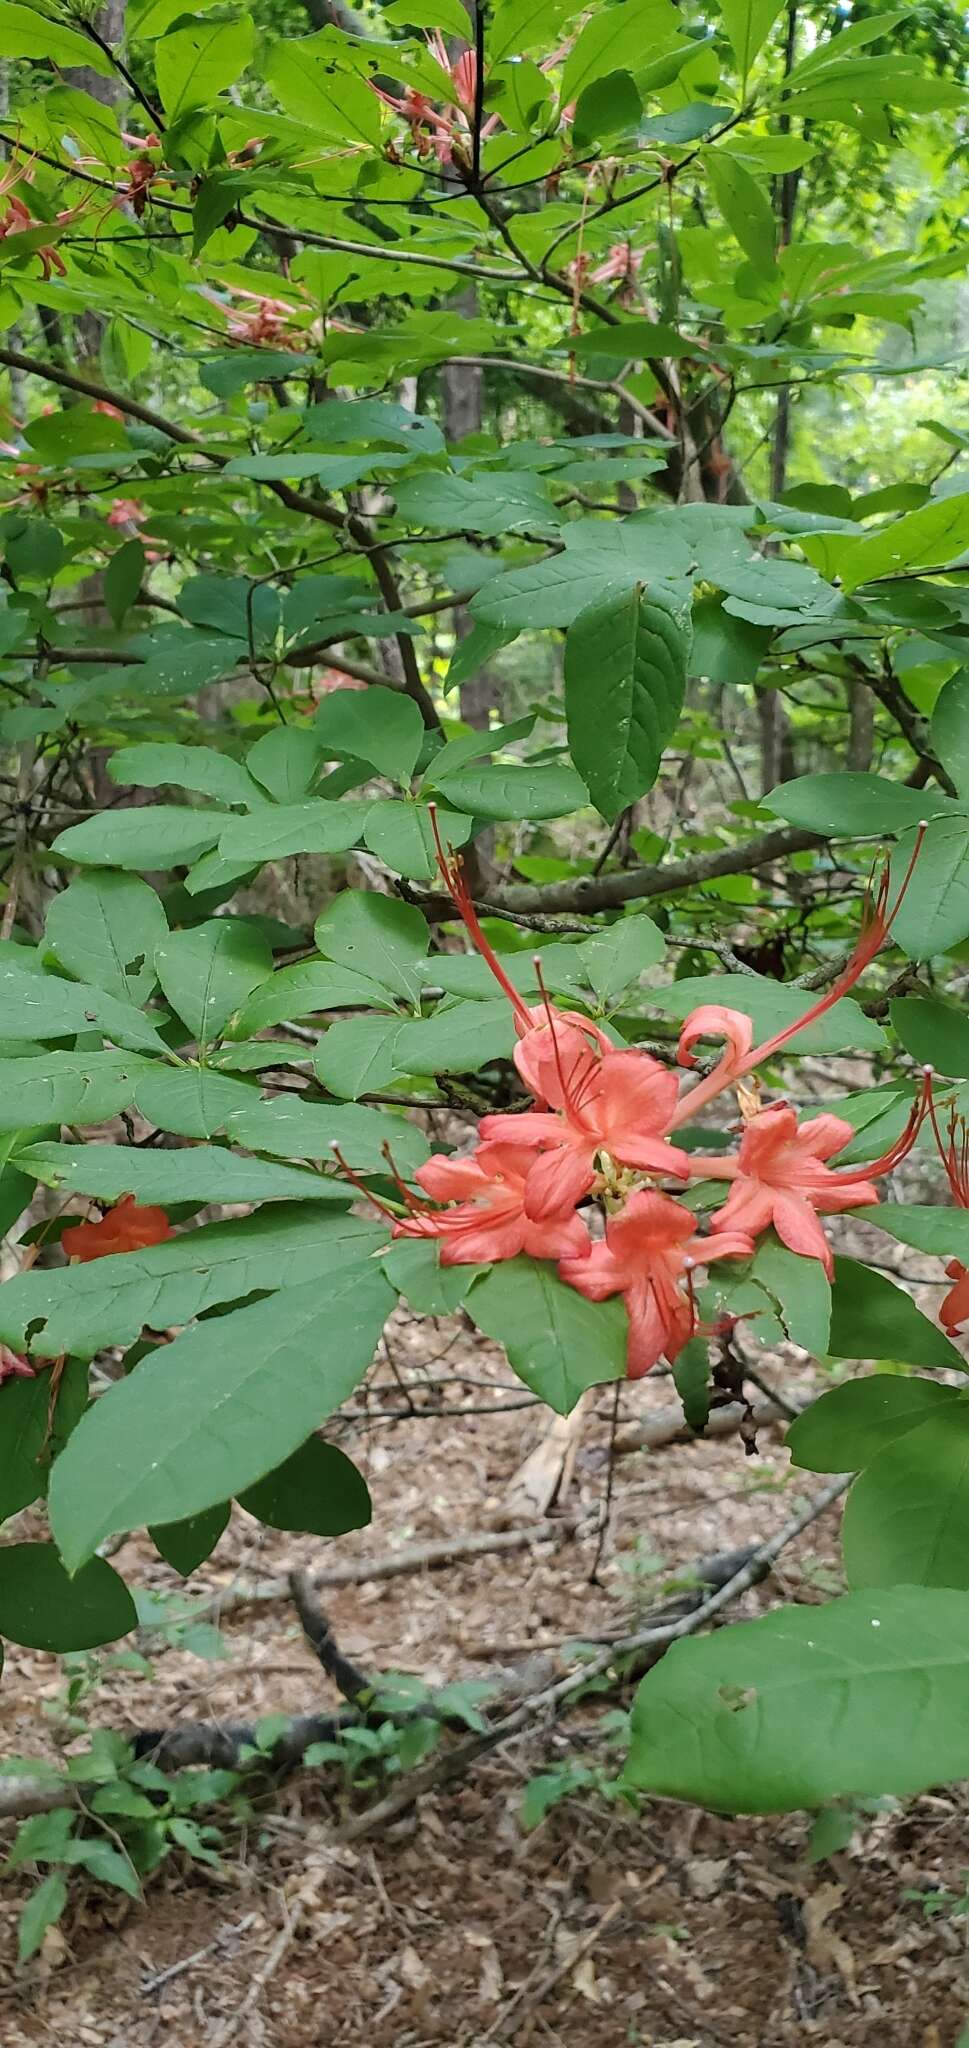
point(648, 1257)
point(128, 1227)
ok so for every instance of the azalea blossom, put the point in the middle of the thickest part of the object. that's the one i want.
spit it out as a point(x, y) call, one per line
point(489, 1220)
point(128, 1227)
point(616, 1103)
point(780, 1177)
point(955, 1308)
point(649, 1251)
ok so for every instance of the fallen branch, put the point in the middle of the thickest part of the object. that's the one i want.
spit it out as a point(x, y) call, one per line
point(670, 1426)
point(434, 1555)
point(284, 1939)
point(631, 1651)
point(230, 1746)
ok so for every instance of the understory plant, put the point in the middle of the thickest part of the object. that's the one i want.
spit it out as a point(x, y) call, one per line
point(470, 474)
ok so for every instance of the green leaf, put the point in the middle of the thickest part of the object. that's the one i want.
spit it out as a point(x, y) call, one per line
point(745, 208)
point(400, 834)
point(848, 1427)
point(303, 989)
point(122, 579)
point(42, 1608)
point(191, 1100)
point(937, 534)
point(556, 1341)
point(379, 937)
point(935, 1034)
point(164, 836)
point(24, 32)
point(310, 83)
point(200, 768)
point(748, 24)
point(208, 971)
point(185, 1545)
point(356, 1055)
point(907, 1518)
point(801, 1290)
point(944, 1232)
point(495, 790)
point(873, 1318)
point(66, 1088)
point(691, 1378)
point(43, 1908)
point(23, 1445)
point(616, 958)
point(950, 729)
point(613, 37)
point(108, 1865)
point(318, 1491)
point(625, 678)
point(111, 1300)
point(39, 1006)
point(608, 106)
point(105, 927)
point(935, 912)
point(273, 834)
point(211, 1413)
point(772, 1008)
point(849, 805)
point(286, 762)
point(862, 1697)
point(725, 649)
point(192, 65)
point(382, 727)
point(308, 1130)
point(199, 1173)
point(458, 1039)
point(413, 1266)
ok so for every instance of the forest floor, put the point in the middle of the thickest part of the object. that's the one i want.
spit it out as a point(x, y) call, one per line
point(453, 1924)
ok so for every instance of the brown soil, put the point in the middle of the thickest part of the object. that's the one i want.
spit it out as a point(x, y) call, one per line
point(601, 1928)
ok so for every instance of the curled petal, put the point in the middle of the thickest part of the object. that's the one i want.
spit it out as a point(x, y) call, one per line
point(713, 1020)
point(450, 1180)
point(558, 1237)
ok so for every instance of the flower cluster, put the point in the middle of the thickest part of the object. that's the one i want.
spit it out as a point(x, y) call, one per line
point(604, 1126)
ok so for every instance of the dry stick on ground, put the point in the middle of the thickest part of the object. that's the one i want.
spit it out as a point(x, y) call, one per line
point(531, 1994)
point(287, 1934)
point(434, 1555)
point(554, 1697)
point(200, 1955)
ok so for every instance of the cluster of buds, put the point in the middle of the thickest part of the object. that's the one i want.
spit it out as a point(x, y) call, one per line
point(603, 1129)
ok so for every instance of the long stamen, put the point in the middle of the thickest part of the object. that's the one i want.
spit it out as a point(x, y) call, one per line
point(893, 1154)
point(355, 1181)
point(956, 1164)
point(416, 1206)
point(876, 929)
point(452, 875)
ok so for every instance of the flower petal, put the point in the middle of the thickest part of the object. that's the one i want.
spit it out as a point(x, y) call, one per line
point(797, 1226)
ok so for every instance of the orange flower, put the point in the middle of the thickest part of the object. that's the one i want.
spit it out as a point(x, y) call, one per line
point(125, 1228)
point(650, 1249)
